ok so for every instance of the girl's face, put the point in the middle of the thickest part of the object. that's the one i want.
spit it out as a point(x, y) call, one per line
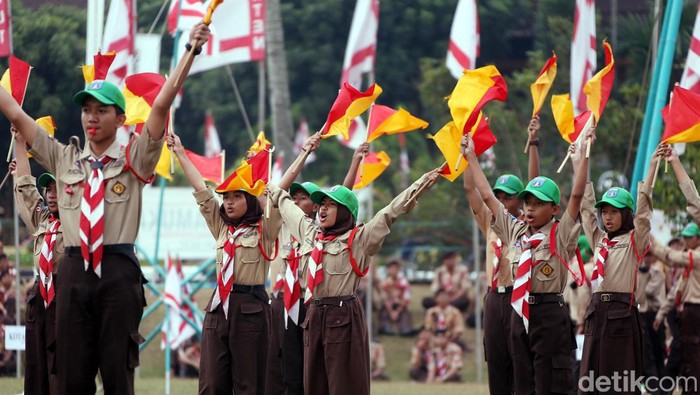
point(235, 204)
point(328, 212)
point(611, 217)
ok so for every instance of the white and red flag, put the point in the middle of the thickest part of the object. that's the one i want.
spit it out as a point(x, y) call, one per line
point(119, 37)
point(463, 47)
point(184, 19)
point(583, 52)
point(300, 138)
point(362, 43)
point(691, 74)
point(357, 133)
point(212, 143)
point(5, 28)
point(176, 295)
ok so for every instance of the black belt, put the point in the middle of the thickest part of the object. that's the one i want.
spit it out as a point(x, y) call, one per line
point(545, 298)
point(331, 300)
point(126, 249)
point(248, 289)
point(690, 304)
point(622, 297)
point(500, 290)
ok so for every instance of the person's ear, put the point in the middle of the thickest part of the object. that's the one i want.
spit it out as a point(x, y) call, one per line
point(556, 209)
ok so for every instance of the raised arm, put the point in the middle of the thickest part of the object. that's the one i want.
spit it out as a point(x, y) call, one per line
point(22, 162)
point(310, 145)
point(191, 172)
point(685, 182)
point(481, 212)
point(155, 124)
point(533, 163)
point(357, 157)
point(477, 175)
point(580, 179)
point(17, 117)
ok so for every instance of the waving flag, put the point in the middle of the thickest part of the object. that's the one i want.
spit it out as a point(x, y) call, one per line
point(212, 144)
point(375, 164)
point(349, 104)
point(448, 140)
point(140, 91)
point(47, 124)
point(598, 88)
point(385, 120)
point(100, 67)
point(15, 78)
point(583, 51)
point(682, 117)
point(251, 176)
point(473, 90)
point(569, 127)
point(211, 168)
point(691, 73)
point(184, 20)
point(362, 42)
point(119, 37)
point(300, 139)
point(261, 143)
point(463, 47)
point(175, 295)
point(540, 88)
point(482, 135)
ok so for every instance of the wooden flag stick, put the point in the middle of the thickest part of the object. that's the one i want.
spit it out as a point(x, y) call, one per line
point(459, 162)
point(656, 172)
point(171, 129)
point(362, 166)
point(568, 155)
point(4, 180)
point(666, 166)
point(269, 175)
point(527, 144)
point(12, 145)
point(421, 189)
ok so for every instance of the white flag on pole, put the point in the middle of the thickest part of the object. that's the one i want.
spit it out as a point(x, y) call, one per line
point(175, 293)
point(212, 144)
point(463, 47)
point(362, 43)
point(119, 37)
point(300, 138)
point(357, 133)
point(183, 20)
point(583, 52)
point(691, 73)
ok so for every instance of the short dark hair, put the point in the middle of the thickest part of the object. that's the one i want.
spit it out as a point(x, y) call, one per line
point(3, 256)
point(4, 273)
point(448, 255)
point(393, 262)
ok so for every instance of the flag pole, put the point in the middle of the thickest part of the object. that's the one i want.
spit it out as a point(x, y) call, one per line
point(369, 123)
point(4, 180)
point(171, 129)
point(269, 176)
point(223, 164)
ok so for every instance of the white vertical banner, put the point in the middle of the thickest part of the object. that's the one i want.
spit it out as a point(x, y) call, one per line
point(691, 73)
point(147, 53)
point(119, 37)
point(212, 143)
point(94, 26)
point(362, 43)
point(463, 47)
point(583, 55)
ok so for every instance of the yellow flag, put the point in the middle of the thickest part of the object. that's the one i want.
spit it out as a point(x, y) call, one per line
point(163, 166)
point(448, 140)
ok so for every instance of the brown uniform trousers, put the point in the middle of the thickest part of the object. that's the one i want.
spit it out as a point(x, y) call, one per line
point(335, 343)
point(293, 355)
point(275, 363)
point(498, 350)
point(40, 369)
point(99, 314)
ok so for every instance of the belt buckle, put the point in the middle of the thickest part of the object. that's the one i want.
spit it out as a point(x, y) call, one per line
point(501, 289)
point(605, 297)
point(531, 300)
point(316, 301)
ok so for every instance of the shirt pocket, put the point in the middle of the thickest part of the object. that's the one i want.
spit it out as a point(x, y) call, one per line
point(70, 191)
point(117, 189)
point(544, 269)
point(248, 248)
point(38, 241)
point(337, 262)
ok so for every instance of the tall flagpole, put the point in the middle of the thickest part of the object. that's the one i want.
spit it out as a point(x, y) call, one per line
point(95, 26)
point(17, 283)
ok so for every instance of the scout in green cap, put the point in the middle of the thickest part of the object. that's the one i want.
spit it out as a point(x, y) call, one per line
point(506, 188)
point(691, 236)
point(616, 211)
point(301, 194)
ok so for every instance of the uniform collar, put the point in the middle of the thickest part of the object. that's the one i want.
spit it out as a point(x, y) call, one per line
point(113, 151)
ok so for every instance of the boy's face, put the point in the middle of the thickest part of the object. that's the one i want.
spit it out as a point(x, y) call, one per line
point(691, 242)
point(510, 202)
point(304, 202)
point(538, 213)
point(100, 121)
point(51, 197)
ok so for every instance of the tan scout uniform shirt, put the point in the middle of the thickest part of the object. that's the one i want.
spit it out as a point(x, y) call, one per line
point(122, 209)
point(651, 288)
point(454, 323)
point(690, 286)
point(622, 261)
point(691, 194)
point(548, 273)
point(454, 283)
point(249, 266)
point(505, 270)
point(339, 279)
point(452, 356)
point(37, 218)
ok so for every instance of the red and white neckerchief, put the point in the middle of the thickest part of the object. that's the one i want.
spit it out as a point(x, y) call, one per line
point(403, 287)
point(292, 289)
point(315, 276)
point(446, 280)
point(683, 282)
point(279, 284)
point(521, 285)
point(440, 321)
point(497, 251)
point(440, 363)
point(598, 274)
point(46, 262)
point(224, 283)
point(92, 208)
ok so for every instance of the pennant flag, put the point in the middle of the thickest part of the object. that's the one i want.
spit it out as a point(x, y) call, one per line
point(682, 117)
point(175, 294)
point(598, 88)
point(300, 139)
point(482, 136)
point(251, 176)
point(184, 20)
point(385, 120)
point(100, 67)
point(691, 74)
point(140, 91)
point(583, 52)
point(569, 127)
point(362, 42)
point(211, 168)
point(15, 78)
point(349, 104)
point(473, 90)
point(47, 124)
point(260, 144)
point(464, 38)
point(540, 88)
point(448, 140)
point(119, 38)
point(375, 164)
point(212, 144)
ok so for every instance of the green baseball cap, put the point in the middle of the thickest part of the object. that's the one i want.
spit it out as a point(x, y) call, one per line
point(308, 186)
point(105, 92)
point(340, 194)
point(617, 197)
point(45, 179)
point(542, 188)
point(691, 230)
point(509, 184)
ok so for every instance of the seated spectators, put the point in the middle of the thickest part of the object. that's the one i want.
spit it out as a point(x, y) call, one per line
point(446, 319)
point(188, 356)
point(447, 357)
point(454, 279)
point(421, 357)
point(396, 295)
point(377, 361)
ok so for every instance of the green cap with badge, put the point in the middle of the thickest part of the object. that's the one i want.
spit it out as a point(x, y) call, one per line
point(509, 184)
point(340, 194)
point(691, 230)
point(103, 91)
point(542, 188)
point(617, 197)
point(308, 186)
point(45, 179)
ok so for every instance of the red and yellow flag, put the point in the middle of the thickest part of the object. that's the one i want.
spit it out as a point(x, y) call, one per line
point(211, 169)
point(251, 176)
point(349, 104)
point(100, 67)
point(48, 125)
point(473, 90)
point(140, 91)
point(385, 120)
point(598, 88)
point(682, 117)
point(375, 164)
point(15, 78)
point(540, 88)
point(569, 127)
point(448, 140)
point(482, 136)
point(261, 143)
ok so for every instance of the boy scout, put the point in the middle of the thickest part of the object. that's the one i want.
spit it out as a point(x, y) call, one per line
point(45, 225)
point(99, 200)
point(541, 333)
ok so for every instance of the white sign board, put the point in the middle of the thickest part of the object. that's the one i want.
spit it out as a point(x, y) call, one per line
point(183, 231)
point(14, 337)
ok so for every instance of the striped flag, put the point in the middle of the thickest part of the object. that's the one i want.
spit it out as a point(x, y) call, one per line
point(175, 295)
point(300, 139)
point(375, 164)
point(119, 37)
point(16, 78)
point(212, 144)
point(691, 74)
point(349, 104)
point(583, 52)
point(463, 47)
point(362, 43)
point(184, 15)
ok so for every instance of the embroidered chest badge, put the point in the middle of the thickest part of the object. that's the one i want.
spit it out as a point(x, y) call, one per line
point(119, 188)
point(547, 270)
